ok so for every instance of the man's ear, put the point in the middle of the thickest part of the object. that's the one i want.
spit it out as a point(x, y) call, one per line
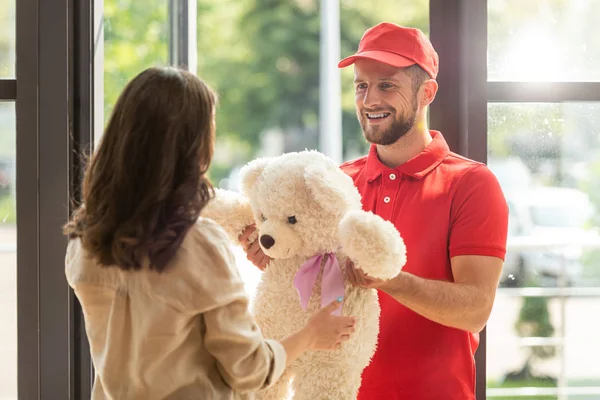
point(331, 187)
point(428, 90)
point(250, 173)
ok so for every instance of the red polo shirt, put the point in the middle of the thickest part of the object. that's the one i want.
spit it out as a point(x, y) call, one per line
point(443, 205)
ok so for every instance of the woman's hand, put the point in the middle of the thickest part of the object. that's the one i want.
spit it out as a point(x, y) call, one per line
point(323, 331)
point(326, 331)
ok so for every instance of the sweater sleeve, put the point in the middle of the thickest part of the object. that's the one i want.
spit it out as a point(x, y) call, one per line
point(246, 361)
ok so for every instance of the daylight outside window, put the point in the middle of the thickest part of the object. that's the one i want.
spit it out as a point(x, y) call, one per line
point(545, 154)
point(8, 222)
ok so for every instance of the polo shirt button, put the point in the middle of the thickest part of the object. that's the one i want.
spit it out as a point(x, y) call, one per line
point(386, 199)
point(392, 176)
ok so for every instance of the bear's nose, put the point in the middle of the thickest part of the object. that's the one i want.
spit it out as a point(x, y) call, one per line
point(267, 241)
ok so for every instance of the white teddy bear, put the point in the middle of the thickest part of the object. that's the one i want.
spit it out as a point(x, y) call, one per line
point(310, 221)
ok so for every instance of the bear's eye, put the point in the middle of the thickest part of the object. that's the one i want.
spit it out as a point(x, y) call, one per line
point(292, 220)
point(262, 216)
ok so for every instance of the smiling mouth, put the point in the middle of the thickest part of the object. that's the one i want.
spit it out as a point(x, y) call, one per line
point(376, 116)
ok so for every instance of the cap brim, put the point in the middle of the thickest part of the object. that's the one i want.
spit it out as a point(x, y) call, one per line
point(377, 55)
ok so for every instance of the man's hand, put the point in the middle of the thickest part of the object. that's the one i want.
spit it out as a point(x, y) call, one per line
point(358, 278)
point(254, 253)
point(465, 303)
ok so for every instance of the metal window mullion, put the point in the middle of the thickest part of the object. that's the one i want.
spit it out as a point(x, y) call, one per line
point(445, 111)
point(183, 34)
point(27, 108)
point(98, 70)
point(474, 75)
point(543, 92)
point(8, 89)
point(53, 190)
point(81, 110)
point(330, 92)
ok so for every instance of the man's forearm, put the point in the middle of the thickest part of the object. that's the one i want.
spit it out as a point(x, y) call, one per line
point(458, 305)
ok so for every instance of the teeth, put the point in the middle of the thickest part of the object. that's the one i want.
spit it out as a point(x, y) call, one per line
point(379, 115)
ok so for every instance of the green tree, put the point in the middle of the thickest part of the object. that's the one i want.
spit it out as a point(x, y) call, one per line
point(136, 36)
point(534, 321)
point(262, 58)
point(264, 63)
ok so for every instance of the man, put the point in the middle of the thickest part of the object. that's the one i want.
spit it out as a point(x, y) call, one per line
point(450, 211)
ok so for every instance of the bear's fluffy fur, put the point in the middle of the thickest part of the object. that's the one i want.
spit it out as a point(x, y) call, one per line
point(327, 207)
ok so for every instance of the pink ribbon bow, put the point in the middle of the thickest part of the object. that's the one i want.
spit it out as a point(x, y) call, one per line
point(332, 281)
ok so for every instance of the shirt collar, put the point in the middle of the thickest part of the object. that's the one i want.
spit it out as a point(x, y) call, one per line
point(418, 166)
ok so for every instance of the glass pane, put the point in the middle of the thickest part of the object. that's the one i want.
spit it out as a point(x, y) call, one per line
point(544, 320)
point(264, 63)
point(265, 67)
point(8, 254)
point(136, 36)
point(543, 40)
point(7, 38)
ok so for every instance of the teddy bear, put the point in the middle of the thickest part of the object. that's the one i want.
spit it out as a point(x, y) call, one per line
point(309, 221)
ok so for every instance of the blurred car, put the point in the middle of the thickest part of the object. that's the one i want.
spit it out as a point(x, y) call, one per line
point(547, 232)
point(511, 172)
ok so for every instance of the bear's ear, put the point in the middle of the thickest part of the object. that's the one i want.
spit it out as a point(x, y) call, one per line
point(250, 173)
point(331, 187)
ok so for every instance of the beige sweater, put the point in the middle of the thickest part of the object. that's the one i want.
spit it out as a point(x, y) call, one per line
point(184, 334)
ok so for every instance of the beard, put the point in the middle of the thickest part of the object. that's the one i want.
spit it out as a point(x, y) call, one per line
point(377, 134)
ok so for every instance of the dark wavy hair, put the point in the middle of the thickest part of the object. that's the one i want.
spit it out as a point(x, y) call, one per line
point(145, 185)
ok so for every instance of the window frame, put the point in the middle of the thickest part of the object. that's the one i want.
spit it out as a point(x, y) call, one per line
point(59, 104)
point(8, 89)
point(542, 92)
point(461, 109)
point(42, 110)
point(53, 125)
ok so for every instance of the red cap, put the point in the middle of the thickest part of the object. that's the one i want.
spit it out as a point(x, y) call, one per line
point(397, 46)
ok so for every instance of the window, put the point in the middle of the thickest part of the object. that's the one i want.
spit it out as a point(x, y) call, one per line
point(545, 40)
point(8, 253)
point(265, 65)
point(543, 145)
point(8, 217)
point(555, 200)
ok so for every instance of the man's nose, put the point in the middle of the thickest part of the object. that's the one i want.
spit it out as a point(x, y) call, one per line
point(371, 99)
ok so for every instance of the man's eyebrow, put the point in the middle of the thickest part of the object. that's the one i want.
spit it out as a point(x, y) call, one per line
point(386, 78)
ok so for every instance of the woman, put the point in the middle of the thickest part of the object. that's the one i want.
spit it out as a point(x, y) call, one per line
point(165, 309)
